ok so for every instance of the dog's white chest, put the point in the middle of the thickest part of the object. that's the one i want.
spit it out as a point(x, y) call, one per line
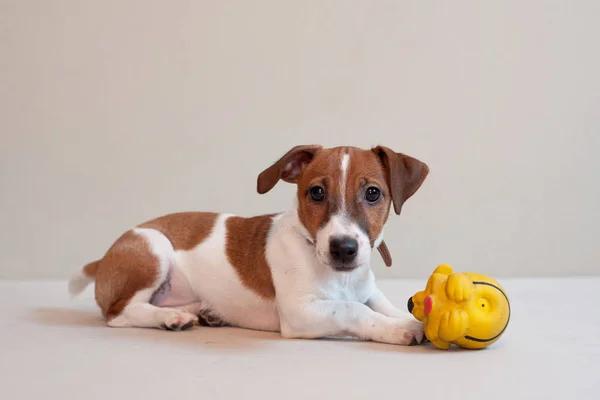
point(347, 286)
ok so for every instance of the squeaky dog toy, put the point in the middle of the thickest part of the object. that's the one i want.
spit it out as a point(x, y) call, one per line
point(466, 309)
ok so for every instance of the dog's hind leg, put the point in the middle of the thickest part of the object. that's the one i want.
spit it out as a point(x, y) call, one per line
point(130, 274)
point(140, 313)
point(145, 315)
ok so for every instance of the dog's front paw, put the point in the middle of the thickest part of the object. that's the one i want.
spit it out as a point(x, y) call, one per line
point(405, 332)
point(412, 333)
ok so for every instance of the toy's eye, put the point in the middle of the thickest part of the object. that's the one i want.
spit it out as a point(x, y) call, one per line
point(483, 305)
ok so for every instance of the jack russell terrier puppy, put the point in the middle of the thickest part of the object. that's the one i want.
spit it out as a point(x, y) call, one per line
point(304, 273)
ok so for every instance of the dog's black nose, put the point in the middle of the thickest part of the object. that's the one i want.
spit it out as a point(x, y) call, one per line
point(410, 305)
point(343, 249)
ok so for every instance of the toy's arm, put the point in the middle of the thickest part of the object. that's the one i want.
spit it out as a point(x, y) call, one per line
point(432, 333)
point(450, 326)
point(453, 325)
point(459, 287)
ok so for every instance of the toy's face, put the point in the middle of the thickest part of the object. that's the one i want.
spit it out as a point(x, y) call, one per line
point(421, 304)
point(489, 313)
point(416, 306)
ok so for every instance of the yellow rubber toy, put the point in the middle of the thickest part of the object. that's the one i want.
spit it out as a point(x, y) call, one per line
point(466, 309)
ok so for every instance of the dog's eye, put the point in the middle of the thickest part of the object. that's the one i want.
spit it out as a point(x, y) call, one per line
point(317, 193)
point(372, 194)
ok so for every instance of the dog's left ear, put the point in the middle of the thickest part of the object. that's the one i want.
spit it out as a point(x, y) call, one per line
point(288, 168)
point(405, 174)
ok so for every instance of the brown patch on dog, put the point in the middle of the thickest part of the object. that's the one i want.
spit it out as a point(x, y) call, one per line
point(127, 267)
point(323, 171)
point(364, 171)
point(245, 248)
point(185, 230)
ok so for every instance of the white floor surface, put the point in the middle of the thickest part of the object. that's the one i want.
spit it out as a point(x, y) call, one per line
point(51, 345)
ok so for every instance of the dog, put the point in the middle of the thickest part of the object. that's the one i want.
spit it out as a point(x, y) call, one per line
point(304, 273)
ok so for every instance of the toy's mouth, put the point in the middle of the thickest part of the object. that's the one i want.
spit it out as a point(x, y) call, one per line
point(410, 305)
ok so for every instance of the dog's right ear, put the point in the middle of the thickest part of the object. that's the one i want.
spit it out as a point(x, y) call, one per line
point(405, 174)
point(288, 168)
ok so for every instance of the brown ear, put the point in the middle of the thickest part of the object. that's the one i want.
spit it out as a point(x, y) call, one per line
point(288, 168)
point(405, 174)
point(385, 254)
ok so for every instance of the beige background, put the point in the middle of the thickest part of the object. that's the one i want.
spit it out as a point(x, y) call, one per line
point(115, 112)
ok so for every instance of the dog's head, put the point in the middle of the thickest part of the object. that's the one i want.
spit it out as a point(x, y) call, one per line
point(345, 195)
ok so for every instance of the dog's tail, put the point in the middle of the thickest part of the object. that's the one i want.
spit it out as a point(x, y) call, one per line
point(82, 278)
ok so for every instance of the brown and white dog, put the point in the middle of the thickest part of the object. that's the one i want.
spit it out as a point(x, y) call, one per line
point(304, 273)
